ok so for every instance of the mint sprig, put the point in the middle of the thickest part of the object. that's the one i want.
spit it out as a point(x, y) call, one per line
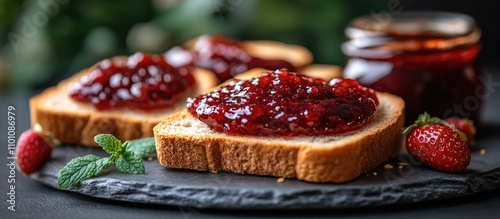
point(82, 168)
point(141, 147)
point(130, 163)
point(109, 143)
point(127, 158)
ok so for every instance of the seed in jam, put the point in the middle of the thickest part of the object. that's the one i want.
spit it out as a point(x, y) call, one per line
point(286, 104)
point(228, 58)
point(141, 81)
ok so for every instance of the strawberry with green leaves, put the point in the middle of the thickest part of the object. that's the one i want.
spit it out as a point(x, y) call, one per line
point(437, 144)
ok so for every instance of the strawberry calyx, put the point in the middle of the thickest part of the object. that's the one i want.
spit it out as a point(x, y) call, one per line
point(425, 119)
point(46, 135)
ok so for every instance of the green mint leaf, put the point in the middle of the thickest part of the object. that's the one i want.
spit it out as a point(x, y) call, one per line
point(141, 147)
point(81, 168)
point(113, 158)
point(128, 162)
point(109, 143)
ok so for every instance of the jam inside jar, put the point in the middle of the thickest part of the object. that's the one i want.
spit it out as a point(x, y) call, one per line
point(427, 58)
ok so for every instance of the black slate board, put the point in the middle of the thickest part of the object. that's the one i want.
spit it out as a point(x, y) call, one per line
point(383, 186)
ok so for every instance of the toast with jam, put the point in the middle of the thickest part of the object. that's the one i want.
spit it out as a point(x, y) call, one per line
point(116, 98)
point(305, 133)
point(227, 57)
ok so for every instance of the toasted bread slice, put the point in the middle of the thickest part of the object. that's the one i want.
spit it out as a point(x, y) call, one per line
point(296, 55)
point(183, 141)
point(75, 122)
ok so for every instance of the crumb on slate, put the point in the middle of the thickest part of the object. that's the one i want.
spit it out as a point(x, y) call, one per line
point(375, 173)
point(400, 167)
point(404, 164)
point(280, 180)
point(482, 152)
point(388, 166)
point(150, 158)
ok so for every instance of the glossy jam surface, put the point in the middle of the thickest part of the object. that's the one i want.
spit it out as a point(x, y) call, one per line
point(281, 103)
point(442, 83)
point(227, 57)
point(141, 81)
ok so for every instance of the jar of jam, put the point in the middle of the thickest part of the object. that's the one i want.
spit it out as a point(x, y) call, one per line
point(427, 58)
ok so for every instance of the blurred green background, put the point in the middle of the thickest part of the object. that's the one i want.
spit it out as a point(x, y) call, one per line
point(42, 42)
point(45, 41)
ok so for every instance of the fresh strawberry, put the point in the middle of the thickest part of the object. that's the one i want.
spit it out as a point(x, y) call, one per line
point(465, 126)
point(32, 151)
point(437, 145)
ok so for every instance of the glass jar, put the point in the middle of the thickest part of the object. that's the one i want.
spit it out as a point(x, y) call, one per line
point(427, 58)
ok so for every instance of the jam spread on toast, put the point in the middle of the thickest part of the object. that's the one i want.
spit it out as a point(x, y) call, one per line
point(141, 81)
point(227, 57)
point(286, 104)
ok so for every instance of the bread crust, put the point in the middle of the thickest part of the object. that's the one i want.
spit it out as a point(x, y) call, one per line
point(296, 55)
point(336, 161)
point(77, 123)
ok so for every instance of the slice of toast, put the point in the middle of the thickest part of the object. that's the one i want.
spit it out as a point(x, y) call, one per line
point(183, 141)
point(296, 55)
point(74, 122)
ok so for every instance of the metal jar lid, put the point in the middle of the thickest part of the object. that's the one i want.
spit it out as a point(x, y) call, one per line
point(384, 35)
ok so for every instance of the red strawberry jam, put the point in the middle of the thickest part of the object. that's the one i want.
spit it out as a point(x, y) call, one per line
point(227, 57)
point(286, 104)
point(141, 81)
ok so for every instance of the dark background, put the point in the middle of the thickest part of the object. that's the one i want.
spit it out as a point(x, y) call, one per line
point(78, 33)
